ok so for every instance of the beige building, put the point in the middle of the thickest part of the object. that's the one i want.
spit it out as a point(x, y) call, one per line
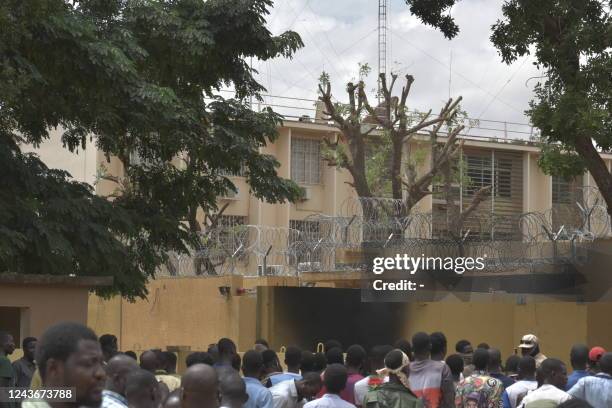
point(289, 306)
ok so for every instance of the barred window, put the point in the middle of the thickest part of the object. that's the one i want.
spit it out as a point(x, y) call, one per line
point(310, 232)
point(503, 179)
point(562, 190)
point(227, 237)
point(240, 173)
point(479, 172)
point(306, 161)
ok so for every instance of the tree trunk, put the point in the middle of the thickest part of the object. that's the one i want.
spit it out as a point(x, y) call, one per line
point(396, 167)
point(597, 167)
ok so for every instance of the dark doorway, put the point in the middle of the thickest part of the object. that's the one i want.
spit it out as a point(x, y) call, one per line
point(307, 316)
point(10, 321)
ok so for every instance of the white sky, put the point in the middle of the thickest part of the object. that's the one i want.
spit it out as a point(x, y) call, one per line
point(339, 34)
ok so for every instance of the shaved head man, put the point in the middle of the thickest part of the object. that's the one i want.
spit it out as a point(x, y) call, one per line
point(117, 370)
point(142, 389)
point(149, 361)
point(200, 387)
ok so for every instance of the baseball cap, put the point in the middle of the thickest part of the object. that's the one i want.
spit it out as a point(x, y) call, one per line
point(529, 341)
point(596, 353)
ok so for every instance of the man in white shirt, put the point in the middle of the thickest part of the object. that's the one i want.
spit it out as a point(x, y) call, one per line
point(335, 377)
point(552, 374)
point(527, 382)
point(289, 394)
point(377, 362)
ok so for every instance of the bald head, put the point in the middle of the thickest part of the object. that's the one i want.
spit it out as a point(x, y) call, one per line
point(200, 387)
point(173, 400)
point(149, 361)
point(117, 370)
point(141, 389)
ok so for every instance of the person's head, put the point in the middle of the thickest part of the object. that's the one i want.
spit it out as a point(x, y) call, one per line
point(605, 363)
point(455, 363)
point(149, 360)
point(530, 345)
point(495, 359)
point(141, 389)
point(293, 358)
point(421, 345)
point(200, 387)
point(271, 361)
point(334, 356)
point(527, 368)
point(438, 345)
point(579, 356)
point(117, 371)
point(480, 359)
point(169, 362)
point(335, 377)
point(330, 344)
point(483, 345)
point(263, 343)
point(253, 365)
point(29, 348)
point(553, 372)
point(464, 347)
point(232, 388)
point(355, 357)
point(7, 343)
point(69, 355)
point(108, 343)
point(405, 346)
point(130, 353)
point(236, 362)
point(511, 365)
point(307, 362)
point(397, 366)
point(594, 356)
point(309, 385)
point(199, 357)
point(320, 362)
point(173, 400)
point(377, 356)
point(213, 350)
point(227, 349)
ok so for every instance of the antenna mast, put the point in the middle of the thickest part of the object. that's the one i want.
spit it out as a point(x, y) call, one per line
point(382, 41)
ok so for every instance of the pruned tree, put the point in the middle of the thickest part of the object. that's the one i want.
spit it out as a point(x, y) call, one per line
point(358, 120)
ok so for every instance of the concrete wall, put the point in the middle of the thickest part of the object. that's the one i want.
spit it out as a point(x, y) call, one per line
point(42, 306)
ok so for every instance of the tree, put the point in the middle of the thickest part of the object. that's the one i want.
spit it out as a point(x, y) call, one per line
point(131, 76)
point(357, 122)
point(571, 42)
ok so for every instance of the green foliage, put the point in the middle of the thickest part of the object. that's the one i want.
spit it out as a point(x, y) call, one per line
point(431, 12)
point(555, 162)
point(135, 74)
point(571, 42)
point(378, 168)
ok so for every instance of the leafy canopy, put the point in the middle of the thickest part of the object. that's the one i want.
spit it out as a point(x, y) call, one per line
point(130, 76)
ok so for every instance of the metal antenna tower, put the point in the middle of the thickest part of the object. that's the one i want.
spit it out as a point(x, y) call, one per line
point(382, 40)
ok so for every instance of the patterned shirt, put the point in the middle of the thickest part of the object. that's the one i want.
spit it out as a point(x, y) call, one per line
point(479, 391)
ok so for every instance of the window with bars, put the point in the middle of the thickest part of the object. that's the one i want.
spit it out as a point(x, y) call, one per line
point(306, 161)
point(310, 232)
point(563, 191)
point(229, 239)
point(481, 174)
point(240, 173)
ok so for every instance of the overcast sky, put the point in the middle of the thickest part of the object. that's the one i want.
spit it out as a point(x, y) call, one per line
point(339, 34)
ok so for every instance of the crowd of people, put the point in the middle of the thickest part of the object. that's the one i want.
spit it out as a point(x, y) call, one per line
point(408, 374)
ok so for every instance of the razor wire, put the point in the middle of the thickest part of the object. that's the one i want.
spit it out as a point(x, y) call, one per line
point(336, 243)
